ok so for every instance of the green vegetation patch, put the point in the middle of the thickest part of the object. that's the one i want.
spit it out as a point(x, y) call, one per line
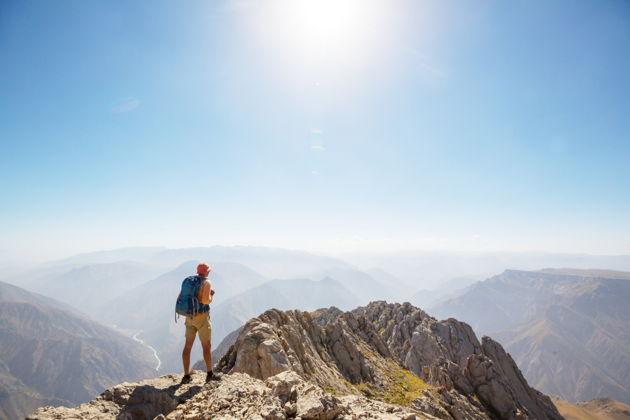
point(401, 387)
point(331, 390)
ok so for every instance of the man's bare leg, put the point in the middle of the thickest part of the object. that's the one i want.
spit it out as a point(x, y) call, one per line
point(207, 355)
point(186, 355)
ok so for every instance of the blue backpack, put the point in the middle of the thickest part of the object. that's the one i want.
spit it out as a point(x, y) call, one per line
point(188, 300)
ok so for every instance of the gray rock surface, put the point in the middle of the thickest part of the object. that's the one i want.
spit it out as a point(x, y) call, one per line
point(236, 396)
point(448, 354)
point(373, 344)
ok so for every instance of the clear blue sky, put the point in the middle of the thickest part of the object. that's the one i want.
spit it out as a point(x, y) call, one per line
point(322, 125)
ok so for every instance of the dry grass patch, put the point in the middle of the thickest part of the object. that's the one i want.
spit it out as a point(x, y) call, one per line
point(400, 387)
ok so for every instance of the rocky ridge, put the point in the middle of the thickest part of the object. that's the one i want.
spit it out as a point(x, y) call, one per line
point(447, 353)
point(388, 361)
point(236, 396)
point(383, 350)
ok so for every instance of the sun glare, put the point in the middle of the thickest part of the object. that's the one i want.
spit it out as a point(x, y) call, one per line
point(320, 23)
point(319, 42)
point(323, 26)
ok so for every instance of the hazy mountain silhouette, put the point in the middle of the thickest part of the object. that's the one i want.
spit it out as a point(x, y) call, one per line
point(366, 287)
point(52, 356)
point(11, 293)
point(568, 329)
point(280, 294)
point(138, 254)
point(88, 287)
point(430, 270)
point(269, 262)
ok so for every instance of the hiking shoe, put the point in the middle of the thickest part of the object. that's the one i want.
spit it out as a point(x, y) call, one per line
point(186, 379)
point(211, 376)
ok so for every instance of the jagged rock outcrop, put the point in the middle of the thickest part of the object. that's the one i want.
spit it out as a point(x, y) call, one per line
point(447, 353)
point(369, 348)
point(237, 396)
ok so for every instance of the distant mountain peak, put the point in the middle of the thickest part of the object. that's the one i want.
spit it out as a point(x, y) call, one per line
point(591, 273)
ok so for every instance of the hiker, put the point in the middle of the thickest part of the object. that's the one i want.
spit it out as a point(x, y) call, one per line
point(194, 303)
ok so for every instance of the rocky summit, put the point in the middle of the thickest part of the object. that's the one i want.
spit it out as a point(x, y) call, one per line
point(236, 396)
point(391, 352)
point(384, 361)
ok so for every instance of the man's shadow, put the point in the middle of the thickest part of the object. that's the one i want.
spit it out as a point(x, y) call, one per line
point(146, 401)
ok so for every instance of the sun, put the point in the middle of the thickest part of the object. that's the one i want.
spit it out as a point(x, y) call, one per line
point(322, 23)
point(319, 49)
point(323, 26)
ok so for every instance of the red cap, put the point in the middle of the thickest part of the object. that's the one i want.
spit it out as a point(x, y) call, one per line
point(203, 269)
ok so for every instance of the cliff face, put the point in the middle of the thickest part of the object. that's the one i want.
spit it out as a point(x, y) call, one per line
point(388, 361)
point(448, 353)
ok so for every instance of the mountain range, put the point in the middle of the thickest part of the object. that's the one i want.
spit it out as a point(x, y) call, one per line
point(241, 292)
point(563, 327)
point(280, 294)
point(270, 262)
point(49, 355)
point(431, 270)
point(88, 287)
point(568, 329)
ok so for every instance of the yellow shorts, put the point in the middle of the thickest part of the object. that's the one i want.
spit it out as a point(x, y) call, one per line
point(200, 324)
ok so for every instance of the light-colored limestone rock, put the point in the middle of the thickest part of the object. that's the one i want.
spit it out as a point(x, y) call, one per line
point(236, 396)
point(448, 354)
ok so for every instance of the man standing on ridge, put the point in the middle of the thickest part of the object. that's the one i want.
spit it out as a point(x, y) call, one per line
point(194, 302)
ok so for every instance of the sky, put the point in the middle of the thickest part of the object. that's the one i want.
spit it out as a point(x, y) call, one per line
point(331, 126)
